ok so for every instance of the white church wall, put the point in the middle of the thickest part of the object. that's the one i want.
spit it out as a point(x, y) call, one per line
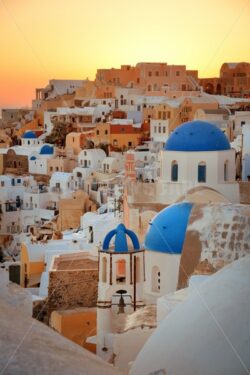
point(168, 267)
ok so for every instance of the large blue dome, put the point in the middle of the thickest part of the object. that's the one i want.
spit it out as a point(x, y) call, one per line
point(197, 136)
point(121, 244)
point(29, 135)
point(167, 230)
point(47, 150)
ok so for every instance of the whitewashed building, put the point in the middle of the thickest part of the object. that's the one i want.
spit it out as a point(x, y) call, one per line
point(38, 162)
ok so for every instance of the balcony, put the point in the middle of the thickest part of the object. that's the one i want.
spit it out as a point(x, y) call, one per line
point(56, 189)
point(10, 207)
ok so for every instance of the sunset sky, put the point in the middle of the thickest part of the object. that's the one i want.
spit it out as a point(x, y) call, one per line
point(45, 39)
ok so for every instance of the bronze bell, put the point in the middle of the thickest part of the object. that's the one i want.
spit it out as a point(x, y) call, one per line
point(121, 305)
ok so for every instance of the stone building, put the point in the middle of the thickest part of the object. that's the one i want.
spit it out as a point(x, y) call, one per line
point(154, 78)
point(72, 297)
point(15, 162)
point(71, 210)
point(73, 280)
point(234, 80)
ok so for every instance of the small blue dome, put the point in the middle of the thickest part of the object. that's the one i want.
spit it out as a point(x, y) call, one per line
point(33, 158)
point(121, 244)
point(29, 135)
point(46, 150)
point(197, 136)
point(167, 230)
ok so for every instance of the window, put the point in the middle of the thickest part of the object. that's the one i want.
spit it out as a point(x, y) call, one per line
point(156, 279)
point(164, 129)
point(155, 129)
point(159, 129)
point(157, 74)
point(174, 171)
point(137, 269)
point(149, 87)
point(149, 74)
point(202, 172)
point(177, 73)
point(2, 183)
point(73, 139)
point(104, 270)
point(97, 132)
point(130, 144)
point(91, 235)
point(226, 170)
point(242, 123)
point(121, 271)
point(51, 169)
point(106, 132)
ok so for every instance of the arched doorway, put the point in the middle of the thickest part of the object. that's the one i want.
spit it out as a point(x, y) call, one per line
point(209, 88)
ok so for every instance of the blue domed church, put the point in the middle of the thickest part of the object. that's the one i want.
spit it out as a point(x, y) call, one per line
point(164, 242)
point(196, 164)
point(196, 154)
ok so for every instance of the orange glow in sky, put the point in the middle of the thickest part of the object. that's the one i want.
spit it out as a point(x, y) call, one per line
point(70, 39)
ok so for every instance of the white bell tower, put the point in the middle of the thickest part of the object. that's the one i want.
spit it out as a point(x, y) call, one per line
point(120, 287)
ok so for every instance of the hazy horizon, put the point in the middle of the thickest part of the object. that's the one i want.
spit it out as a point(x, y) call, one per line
point(71, 40)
